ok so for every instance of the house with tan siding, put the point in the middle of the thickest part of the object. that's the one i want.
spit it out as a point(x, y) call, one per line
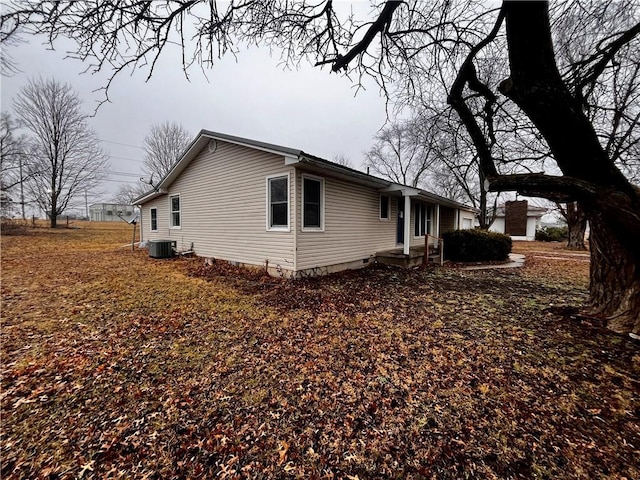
point(254, 203)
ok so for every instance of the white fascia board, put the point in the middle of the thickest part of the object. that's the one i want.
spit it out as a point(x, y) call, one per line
point(289, 160)
point(147, 198)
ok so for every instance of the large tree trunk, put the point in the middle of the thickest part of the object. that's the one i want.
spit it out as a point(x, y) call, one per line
point(612, 204)
point(577, 225)
point(615, 279)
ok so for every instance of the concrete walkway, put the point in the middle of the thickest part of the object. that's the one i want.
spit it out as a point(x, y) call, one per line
point(515, 260)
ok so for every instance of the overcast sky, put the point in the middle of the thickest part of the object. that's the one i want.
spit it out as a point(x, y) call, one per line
point(254, 97)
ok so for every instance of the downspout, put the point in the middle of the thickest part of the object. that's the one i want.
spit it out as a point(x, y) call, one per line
point(141, 225)
point(295, 220)
point(407, 224)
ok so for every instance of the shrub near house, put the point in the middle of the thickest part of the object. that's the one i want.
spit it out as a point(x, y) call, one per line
point(552, 234)
point(476, 246)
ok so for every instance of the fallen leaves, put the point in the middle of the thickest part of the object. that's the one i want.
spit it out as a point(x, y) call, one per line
point(119, 366)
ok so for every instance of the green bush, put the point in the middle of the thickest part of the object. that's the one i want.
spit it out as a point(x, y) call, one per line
point(552, 234)
point(476, 246)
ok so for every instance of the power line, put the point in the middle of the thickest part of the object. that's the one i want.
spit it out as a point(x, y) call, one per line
point(125, 158)
point(123, 144)
point(115, 180)
point(123, 174)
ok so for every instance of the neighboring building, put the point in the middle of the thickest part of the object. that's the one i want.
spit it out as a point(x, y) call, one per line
point(518, 219)
point(552, 221)
point(110, 212)
point(295, 214)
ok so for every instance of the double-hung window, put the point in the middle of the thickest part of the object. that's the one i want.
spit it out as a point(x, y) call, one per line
point(312, 203)
point(422, 219)
point(278, 202)
point(153, 213)
point(174, 205)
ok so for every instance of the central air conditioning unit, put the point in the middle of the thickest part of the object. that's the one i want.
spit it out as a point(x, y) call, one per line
point(162, 248)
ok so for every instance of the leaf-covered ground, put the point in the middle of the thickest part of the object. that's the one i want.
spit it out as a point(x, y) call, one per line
point(115, 365)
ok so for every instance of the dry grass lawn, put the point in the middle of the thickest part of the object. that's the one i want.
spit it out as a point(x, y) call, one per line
point(115, 365)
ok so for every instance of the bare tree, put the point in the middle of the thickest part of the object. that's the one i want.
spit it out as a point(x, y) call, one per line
point(401, 153)
point(401, 44)
point(65, 157)
point(163, 146)
point(455, 171)
point(14, 171)
point(340, 159)
point(127, 193)
point(576, 220)
point(8, 65)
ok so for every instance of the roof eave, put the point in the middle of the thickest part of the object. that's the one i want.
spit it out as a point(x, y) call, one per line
point(147, 197)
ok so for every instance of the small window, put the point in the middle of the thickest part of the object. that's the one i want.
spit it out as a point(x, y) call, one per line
point(109, 212)
point(384, 207)
point(422, 224)
point(174, 202)
point(278, 202)
point(312, 203)
point(154, 219)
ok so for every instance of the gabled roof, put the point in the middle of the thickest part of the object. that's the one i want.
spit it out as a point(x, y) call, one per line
point(291, 156)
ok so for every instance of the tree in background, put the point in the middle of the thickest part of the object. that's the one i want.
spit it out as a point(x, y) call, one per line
point(65, 159)
point(163, 145)
point(429, 151)
point(127, 193)
point(401, 45)
point(401, 154)
point(13, 168)
point(576, 223)
point(341, 159)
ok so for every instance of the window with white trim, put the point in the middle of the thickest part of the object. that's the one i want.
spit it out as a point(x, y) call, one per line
point(153, 219)
point(422, 224)
point(174, 206)
point(384, 207)
point(278, 202)
point(312, 203)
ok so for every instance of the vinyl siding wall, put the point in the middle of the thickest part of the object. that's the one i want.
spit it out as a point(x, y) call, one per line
point(352, 226)
point(223, 208)
point(466, 215)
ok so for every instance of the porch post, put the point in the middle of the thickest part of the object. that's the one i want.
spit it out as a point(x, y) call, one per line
point(437, 222)
point(407, 224)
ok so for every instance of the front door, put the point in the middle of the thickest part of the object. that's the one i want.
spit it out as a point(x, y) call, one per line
point(400, 227)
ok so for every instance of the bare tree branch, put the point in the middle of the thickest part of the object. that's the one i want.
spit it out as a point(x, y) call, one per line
point(64, 152)
point(163, 146)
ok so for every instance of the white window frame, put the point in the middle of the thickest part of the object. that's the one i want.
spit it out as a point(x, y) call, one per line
point(428, 220)
point(171, 212)
point(279, 228)
point(321, 212)
point(380, 217)
point(151, 229)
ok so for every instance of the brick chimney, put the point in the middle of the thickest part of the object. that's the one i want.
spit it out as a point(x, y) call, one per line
point(515, 218)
